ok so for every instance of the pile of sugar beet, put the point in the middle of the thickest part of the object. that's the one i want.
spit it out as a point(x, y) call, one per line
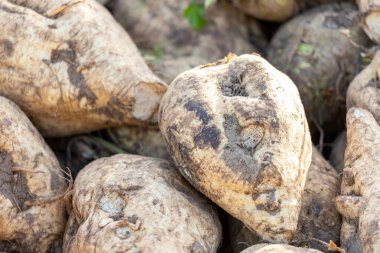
point(124, 129)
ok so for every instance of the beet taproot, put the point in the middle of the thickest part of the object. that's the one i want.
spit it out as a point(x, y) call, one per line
point(274, 10)
point(278, 248)
point(360, 190)
point(32, 186)
point(76, 70)
point(364, 91)
point(318, 50)
point(318, 219)
point(370, 20)
point(237, 131)
point(128, 203)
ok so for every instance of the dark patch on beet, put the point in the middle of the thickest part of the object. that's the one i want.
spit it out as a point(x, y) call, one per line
point(209, 135)
point(199, 110)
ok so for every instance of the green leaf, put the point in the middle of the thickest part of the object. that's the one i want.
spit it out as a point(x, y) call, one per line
point(305, 48)
point(366, 60)
point(195, 15)
point(208, 3)
point(153, 56)
point(157, 52)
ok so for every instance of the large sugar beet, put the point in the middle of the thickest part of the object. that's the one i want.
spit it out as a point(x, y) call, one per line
point(237, 131)
point(172, 46)
point(274, 10)
point(32, 186)
point(278, 248)
point(318, 219)
point(370, 10)
point(319, 52)
point(364, 90)
point(359, 202)
point(128, 203)
point(75, 69)
point(271, 10)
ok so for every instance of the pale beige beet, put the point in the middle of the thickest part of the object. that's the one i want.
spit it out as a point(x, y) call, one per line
point(128, 203)
point(370, 10)
point(275, 10)
point(237, 131)
point(364, 91)
point(32, 186)
point(76, 70)
point(270, 10)
point(278, 248)
point(359, 202)
point(318, 219)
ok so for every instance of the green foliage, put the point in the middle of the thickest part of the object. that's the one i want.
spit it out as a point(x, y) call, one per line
point(366, 60)
point(153, 56)
point(305, 48)
point(157, 51)
point(195, 15)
